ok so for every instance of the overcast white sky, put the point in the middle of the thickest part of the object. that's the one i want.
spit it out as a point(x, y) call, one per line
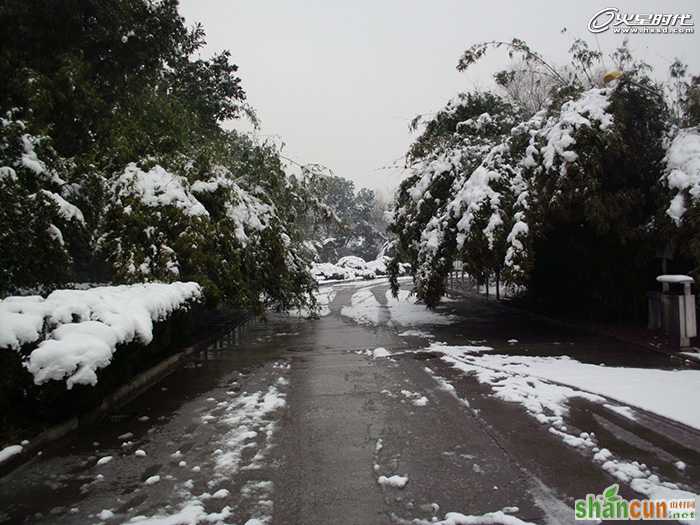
point(339, 82)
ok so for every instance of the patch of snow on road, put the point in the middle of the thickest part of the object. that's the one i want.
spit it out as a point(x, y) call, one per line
point(324, 297)
point(380, 352)
point(105, 514)
point(416, 333)
point(525, 380)
point(152, 480)
point(104, 460)
point(248, 417)
point(191, 513)
point(622, 410)
point(447, 387)
point(415, 398)
point(405, 311)
point(247, 421)
point(398, 311)
point(490, 518)
point(637, 387)
point(7, 452)
point(364, 308)
point(395, 481)
point(456, 351)
point(420, 402)
point(259, 492)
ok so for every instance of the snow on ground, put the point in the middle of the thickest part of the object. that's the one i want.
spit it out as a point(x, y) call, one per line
point(380, 352)
point(246, 424)
point(490, 518)
point(416, 333)
point(190, 514)
point(104, 460)
point(10, 451)
point(248, 416)
point(84, 327)
point(364, 308)
point(324, 297)
point(637, 387)
point(457, 351)
point(352, 268)
point(415, 398)
point(398, 311)
point(395, 481)
point(530, 381)
point(405, 311)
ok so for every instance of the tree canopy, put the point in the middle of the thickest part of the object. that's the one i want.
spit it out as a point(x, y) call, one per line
point(115, 166)
point(557, 182)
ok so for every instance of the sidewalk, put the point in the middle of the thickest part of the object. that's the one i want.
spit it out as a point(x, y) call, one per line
point(639, 336)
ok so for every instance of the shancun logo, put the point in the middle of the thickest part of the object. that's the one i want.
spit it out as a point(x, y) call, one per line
point(611, 17)
point(611, 506)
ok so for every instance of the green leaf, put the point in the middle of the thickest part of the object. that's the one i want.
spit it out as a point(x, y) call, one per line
point(611, 492)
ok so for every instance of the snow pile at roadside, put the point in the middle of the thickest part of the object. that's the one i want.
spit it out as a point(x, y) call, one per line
point(531, 382)
point(638, 387)
point(80, 329)
point(683, 171)
point(352, 267)
point(490, 518)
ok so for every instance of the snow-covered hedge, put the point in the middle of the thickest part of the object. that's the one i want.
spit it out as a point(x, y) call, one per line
point(352, 267)
point(76, 332)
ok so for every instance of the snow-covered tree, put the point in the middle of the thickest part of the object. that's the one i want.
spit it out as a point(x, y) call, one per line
point(564, 202)
point(40, 229)
point(114, 165)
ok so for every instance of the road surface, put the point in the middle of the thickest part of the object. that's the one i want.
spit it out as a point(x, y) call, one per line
point(353, 418)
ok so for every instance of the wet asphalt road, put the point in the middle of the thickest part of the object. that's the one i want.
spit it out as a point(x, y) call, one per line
point(290, 422)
